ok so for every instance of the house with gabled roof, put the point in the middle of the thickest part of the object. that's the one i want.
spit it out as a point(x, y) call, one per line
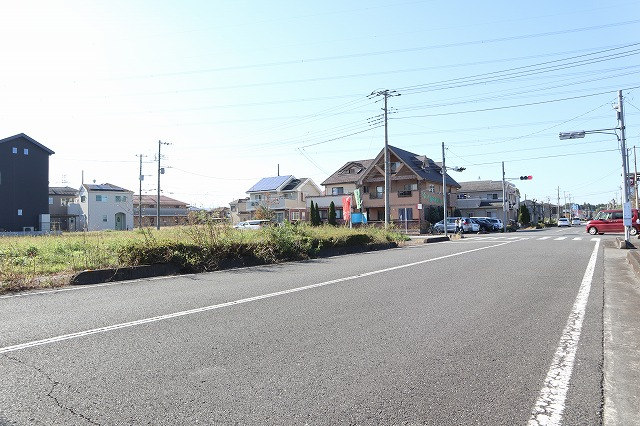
point(282, 197)
point(172, 212)
point(60, 198)
point(24, 184)
point(416, 183)
point(105, 206)
point(483, 198)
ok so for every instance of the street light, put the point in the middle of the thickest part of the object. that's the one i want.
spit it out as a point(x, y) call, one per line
point(626, 206)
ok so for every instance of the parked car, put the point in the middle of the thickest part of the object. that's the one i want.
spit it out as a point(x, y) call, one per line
point(252, 224)
point(451, 225)
point(495, 222)
point(612, 221)
point(467, 224)
point(484, 224)
point(563, 221)
point(576, 222)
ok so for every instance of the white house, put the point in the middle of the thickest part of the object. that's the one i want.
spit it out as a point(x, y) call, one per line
point(105, 206)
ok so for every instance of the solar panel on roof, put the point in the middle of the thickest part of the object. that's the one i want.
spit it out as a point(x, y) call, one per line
point(269, 183)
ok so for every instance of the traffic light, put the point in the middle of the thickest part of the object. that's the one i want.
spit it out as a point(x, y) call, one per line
point(526, 177)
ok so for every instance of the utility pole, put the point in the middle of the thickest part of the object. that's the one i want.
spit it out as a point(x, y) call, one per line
point(387, 172)
point(625, 172)
point(558, 204)
point(140, 178)
point(444, 192)
point(160, 171)
point(504, 192)
point(635, 175)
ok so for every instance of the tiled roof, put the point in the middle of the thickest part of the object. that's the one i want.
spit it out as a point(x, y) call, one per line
point(423, 166)
point(270, 183)
point(481, 185)
point(104, 187)
point(151, 199)
point(62, 190)
point(342, 175)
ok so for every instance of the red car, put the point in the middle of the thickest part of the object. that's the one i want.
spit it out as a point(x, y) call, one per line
point(611, 221)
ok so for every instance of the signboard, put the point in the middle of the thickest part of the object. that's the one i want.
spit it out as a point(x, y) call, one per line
point(358, 218)
point(420, 206)
point(346, 208)
point(626, 214)
point(358, 198)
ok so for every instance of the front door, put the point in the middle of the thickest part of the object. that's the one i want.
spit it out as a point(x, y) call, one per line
point(120, 222)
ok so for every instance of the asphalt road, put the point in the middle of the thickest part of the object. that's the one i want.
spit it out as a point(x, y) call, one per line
point(453, 333)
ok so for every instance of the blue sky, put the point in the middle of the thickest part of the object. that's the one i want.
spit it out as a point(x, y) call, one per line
point(241, 87)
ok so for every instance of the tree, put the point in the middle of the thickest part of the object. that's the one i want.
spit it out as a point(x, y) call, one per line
point(523, 216)
point(318, 220)
point(332, 214)
point(312, 215)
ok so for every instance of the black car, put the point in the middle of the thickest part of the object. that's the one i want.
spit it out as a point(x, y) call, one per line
point(485, 225)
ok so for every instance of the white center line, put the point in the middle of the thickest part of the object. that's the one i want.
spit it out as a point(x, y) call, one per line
point(549, 407)
point(577, 239)
point(560, 238)
point(544, 238)
point(55, 339)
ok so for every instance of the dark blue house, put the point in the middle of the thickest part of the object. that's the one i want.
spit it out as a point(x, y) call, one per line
point(24, 183)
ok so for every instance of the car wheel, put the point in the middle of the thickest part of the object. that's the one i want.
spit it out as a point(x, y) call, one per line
point(593, 230)
point(633, 231)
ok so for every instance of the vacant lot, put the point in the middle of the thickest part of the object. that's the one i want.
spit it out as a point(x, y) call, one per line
point(46, 261)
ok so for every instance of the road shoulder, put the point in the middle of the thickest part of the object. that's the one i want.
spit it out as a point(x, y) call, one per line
point(621, 340)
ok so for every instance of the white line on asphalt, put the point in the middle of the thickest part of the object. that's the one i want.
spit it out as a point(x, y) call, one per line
point(544, 238)
point(50, 340)
point(560, 238)
point(595, 239)
point(549, 407)
point(577, 239)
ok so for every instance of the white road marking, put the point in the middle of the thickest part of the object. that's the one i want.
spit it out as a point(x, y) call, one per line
point(544, 238)
point(560, 238)
point(577, 239)
point(549, 407)
point(595, 239)
point(513, 238)
point(63, 337)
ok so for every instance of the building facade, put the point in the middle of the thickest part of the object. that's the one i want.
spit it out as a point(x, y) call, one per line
point(103, 207)
point(24, 184)
point(483, 198)
point(60, 198)
point(172, 212)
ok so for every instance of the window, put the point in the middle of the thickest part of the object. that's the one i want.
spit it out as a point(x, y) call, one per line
point(104, 218)
point(405, 214)
point(338, 213)
point(395, 166)
point(14, 150)
point(121, 199)
point(379, 192)
point(19, 212)
point(339, 190)
point(83, 199)
point(365, 189)
point(50, 201)
point(617, 216)
point(101, 198)
point(26, 151)
point(295, 215)
point(432, 188)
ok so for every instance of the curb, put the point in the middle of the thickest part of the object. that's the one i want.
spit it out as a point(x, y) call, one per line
point(621, 244)
point(99, 276)
point(633, 257)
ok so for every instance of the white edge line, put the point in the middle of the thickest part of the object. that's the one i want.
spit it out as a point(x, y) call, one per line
point(549, 407)
point(60, 338)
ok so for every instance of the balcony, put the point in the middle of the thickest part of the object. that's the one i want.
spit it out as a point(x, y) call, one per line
point(404, 194)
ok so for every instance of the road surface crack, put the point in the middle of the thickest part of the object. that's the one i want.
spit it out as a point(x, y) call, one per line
point(54, 385)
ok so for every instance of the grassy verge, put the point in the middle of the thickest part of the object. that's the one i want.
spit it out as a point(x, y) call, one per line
point(50, 261)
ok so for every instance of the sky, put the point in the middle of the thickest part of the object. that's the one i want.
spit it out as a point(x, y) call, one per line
point(241, 90)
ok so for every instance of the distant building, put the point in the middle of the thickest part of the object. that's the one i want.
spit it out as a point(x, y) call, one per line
point(104, 206)
point(60, 198)
point(483, 198)
point(172, 212)
point(282, 196)
point(24, 184)
point(238, 210)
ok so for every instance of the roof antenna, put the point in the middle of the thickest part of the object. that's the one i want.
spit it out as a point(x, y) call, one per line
point(278, 169)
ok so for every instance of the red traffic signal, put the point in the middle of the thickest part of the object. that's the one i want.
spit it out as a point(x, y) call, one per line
point(526, 177)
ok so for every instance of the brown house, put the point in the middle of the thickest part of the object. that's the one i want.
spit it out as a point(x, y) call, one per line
point(416, 184)
point(172, 212)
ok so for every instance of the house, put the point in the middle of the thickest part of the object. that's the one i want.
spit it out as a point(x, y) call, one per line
point(483, 198)
point(238, 210)
point(60, 198)
point(172, 212)
point(24, 184)
point(416, 185)
point(104, 206)
point(281, 197)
